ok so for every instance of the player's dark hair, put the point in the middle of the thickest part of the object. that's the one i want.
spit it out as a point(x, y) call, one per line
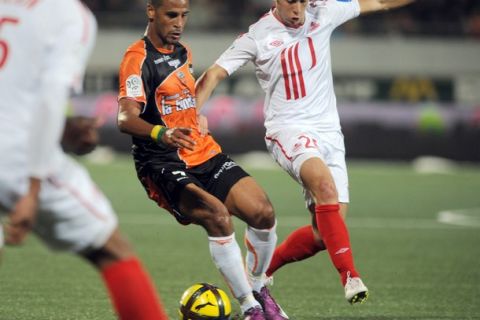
point(155, 3)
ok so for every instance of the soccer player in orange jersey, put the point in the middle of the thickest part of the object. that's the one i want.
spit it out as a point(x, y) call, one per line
point(185, 171)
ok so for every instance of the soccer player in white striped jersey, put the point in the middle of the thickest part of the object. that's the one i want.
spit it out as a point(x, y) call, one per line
point(290, 48)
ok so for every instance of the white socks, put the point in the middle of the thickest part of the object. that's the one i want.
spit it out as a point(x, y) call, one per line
point(227, 257)
point(261, 245)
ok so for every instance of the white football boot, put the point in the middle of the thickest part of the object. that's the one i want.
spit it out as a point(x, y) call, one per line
point(355, 290)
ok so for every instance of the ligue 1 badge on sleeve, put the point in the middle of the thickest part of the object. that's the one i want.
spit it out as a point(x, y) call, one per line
point(134, 86)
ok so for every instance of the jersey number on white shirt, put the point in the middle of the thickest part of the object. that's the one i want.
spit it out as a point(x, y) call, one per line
point(3, 43)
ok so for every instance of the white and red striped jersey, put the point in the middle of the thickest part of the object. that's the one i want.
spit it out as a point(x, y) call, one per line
point(293, 65)
point(44, 46)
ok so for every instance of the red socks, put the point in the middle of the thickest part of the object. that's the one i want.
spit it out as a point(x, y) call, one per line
point(299, 245)
point(335, 236)
point(132, 292)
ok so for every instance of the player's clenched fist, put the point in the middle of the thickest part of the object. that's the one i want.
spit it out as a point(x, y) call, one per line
point(177, 137)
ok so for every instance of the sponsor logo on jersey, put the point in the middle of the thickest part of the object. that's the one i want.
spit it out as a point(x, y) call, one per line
point(168, 106)
point(174, 63)
point(276, 43)
point(134, 86)
point(185, 103)
point(173, 97)
point(162, 59)
point(226, 166)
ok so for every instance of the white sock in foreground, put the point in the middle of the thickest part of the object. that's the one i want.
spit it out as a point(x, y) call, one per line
point(260, 245)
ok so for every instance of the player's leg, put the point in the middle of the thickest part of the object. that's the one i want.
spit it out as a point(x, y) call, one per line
point(130, 287)
point(285, 147)
point(248, 201)
point(318, 180)
point(204, 209)
point(292, 149)
point(301, 244)
point(75, 216)
point(182, 193)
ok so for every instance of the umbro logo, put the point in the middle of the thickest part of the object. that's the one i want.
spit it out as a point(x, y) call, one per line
point(316, 3)
point(342, 250)
point(297, 146)
point(313, 26)
point(276, 43)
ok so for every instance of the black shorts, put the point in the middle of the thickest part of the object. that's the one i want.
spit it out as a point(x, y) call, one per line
point(165, 184)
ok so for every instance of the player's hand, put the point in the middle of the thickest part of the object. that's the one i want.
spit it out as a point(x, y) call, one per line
point(80, 135)
point(202, 124)
point(179, 137)
point(21, 219)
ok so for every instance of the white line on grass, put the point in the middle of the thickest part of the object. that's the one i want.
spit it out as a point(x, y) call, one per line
point(460, 217)
point(164, 219)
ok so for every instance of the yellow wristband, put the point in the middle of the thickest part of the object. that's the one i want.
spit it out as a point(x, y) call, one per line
point(154, 133)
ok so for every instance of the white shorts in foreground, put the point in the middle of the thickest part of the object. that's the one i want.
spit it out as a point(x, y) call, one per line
point(73, 213)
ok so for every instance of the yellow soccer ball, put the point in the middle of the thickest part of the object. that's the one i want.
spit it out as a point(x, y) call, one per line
point(204, 301)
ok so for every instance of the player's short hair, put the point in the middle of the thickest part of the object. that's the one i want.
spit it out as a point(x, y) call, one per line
point(155, 3)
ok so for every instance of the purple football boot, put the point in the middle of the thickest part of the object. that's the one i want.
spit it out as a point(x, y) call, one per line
point(255, 313)
point(271, 308)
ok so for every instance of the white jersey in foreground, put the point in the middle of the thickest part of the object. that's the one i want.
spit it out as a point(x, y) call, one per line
point(47, 44)
point(44, 49)
point(293, 65)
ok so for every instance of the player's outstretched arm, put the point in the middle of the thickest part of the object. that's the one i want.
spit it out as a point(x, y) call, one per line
point(207, 82)
point(129, 122)
point(368, 6)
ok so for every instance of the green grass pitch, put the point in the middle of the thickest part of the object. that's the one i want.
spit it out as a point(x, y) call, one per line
point(415, 266)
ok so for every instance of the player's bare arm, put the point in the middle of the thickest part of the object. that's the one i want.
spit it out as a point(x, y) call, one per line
point(368, 6)
point(22, 217)
point(207, 82)
point(202, 123)
point(129, 122)
point(80, 135)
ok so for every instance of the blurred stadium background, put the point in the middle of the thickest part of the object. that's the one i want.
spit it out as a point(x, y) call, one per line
point(407, 81)
point(408, 85)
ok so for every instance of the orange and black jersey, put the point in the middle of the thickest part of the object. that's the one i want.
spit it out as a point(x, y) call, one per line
point(162, 82)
